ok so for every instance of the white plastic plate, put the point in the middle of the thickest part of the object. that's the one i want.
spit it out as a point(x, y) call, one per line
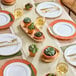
point(10, 50)
point(49, 14)
point(4, 19)
point(64, 29)
point(17, 69)
point(68, 51)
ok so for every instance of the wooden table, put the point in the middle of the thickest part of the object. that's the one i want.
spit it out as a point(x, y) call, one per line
point(70, 4)
point(42, 68)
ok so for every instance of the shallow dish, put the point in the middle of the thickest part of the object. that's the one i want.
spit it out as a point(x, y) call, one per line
point(49, 9)
point(6, 19)
point(9, 44)
point(70, 54)
point(25, 29)
point(62, 29)
point(18, 67)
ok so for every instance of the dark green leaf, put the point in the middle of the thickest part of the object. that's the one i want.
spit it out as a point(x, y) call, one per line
point(50, 51)
point(33, 48)
point(38, 34)
point(27, 20)
point(31, 27)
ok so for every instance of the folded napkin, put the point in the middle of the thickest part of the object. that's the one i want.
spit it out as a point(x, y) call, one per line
point(6, 57)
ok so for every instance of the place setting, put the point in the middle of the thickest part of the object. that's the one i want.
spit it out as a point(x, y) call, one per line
point(49, 54)
point(10, 46)
point(70, 54)
point(49, 9)
point(43, 24)
point(62, 29)
point(18, 67)
point(6, 19)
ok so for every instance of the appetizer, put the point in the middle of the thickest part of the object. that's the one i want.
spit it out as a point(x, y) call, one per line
point(33, 50)
point(51, 74)
point(50, 52)
point(31, 30)
point(27, 21)
point(38, 35)
point(28, 6)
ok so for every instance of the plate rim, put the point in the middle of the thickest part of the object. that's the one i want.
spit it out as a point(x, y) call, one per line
point(68, 24)
point(18, 39)
point(65, 56)
point(25, 66)
point(62, 37)
point(10, 23)
point(17, 60)
point(49, 2)
point(1, 13)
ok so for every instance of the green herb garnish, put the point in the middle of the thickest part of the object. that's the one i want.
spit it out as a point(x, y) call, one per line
point(33, 48)
point(51, 74)
point(31, 27)
point(50, 51)
point(28, 6)
point(38, 34)
point(27, 20)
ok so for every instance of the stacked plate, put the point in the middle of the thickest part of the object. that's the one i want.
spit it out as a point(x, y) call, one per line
point(62, 29)
point(6, 19)
point(18, 67)
point(9, 44)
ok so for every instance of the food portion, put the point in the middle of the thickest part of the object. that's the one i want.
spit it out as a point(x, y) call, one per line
point(38, 35)
point(50, 52)
point(31, 28)
point(33, 50)
point(27, 20)
point(32, 31)
point(51, 74)
point(28, 6)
